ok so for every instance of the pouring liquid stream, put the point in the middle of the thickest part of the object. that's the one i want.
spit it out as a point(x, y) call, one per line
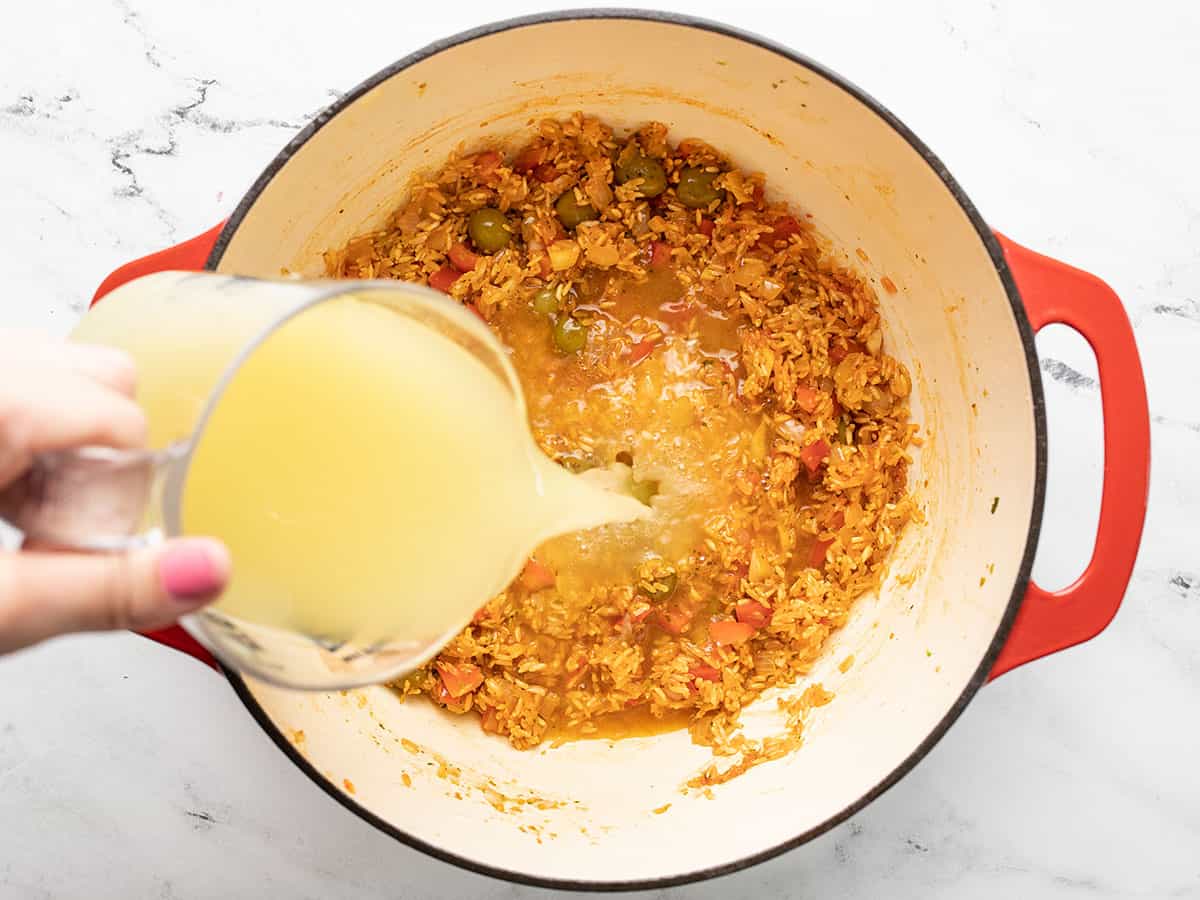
point(372, 477)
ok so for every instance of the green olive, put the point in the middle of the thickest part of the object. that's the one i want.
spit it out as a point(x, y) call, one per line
point(696, 187)
point(569, 335)
point(844, 432)
point(571, 212)
point(662, 588)
point(489, 229)
point(654, 178)
point(545, 301)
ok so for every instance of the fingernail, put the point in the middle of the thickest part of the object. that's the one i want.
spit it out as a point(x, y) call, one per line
point(194, 569)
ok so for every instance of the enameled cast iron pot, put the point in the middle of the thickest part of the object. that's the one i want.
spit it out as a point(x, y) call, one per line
point(963, 316)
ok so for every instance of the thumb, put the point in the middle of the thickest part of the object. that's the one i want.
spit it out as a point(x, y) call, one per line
point(44, 594)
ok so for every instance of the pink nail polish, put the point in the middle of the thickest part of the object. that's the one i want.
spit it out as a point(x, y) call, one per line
point(194, 569)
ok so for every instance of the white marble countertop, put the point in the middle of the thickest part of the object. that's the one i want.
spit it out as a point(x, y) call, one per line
point(129, 771)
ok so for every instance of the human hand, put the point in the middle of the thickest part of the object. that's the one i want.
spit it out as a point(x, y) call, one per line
point(56, 395)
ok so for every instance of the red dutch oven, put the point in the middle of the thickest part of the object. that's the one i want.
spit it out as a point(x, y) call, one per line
point(961, 305)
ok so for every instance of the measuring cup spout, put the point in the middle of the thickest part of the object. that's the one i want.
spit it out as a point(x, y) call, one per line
point(579, 502)
point(92, 498)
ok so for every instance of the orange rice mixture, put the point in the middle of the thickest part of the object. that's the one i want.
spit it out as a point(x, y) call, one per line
point(711, 340)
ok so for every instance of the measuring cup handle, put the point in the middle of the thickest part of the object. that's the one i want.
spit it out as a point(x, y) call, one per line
point(191, 254)
point(91, 499)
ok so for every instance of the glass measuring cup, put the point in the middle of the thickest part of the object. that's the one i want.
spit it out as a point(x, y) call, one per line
point(101, 499)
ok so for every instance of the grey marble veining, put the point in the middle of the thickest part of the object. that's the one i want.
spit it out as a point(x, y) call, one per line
point(128, 771)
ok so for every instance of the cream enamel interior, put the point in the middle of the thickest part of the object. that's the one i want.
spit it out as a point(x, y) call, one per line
point(916, 646)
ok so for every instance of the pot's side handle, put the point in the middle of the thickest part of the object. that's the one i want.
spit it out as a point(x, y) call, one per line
point(190, 255)
point(1054, 292)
